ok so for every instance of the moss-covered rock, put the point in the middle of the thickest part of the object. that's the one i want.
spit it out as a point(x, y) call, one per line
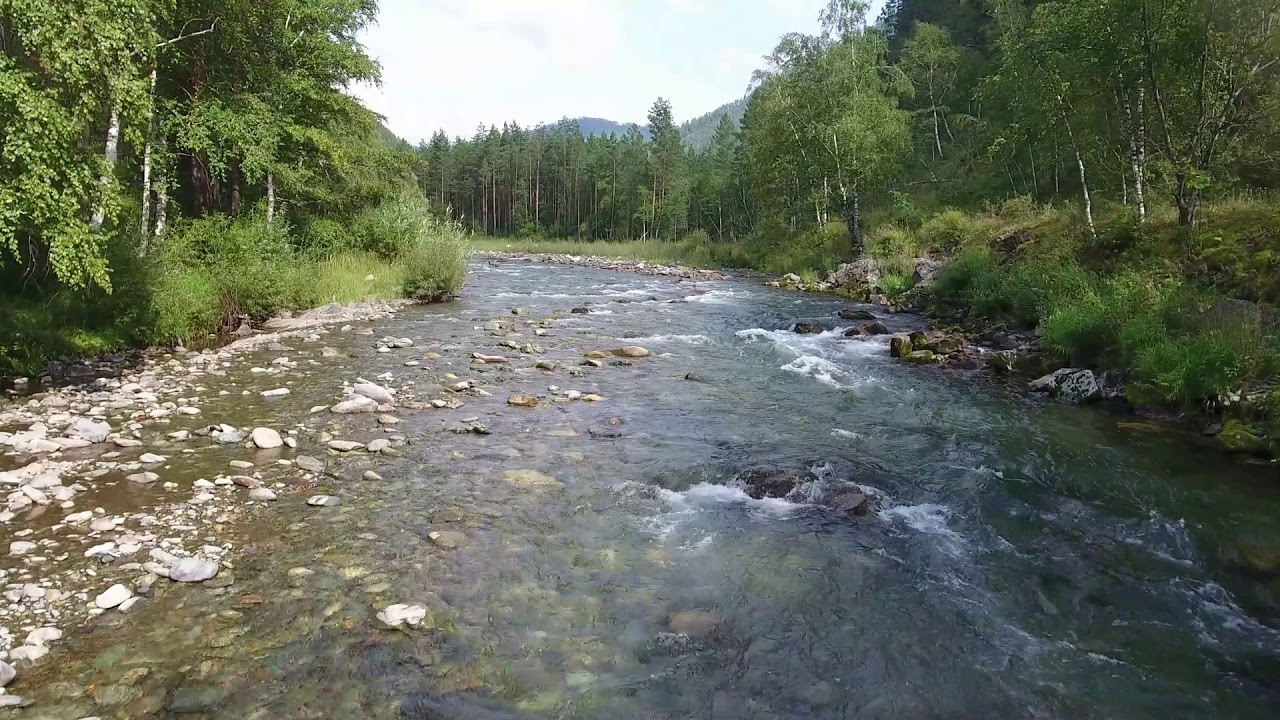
point(945, 345)
point(920, 357)
point(1237, 437)
point(919, 340)
point(900, 346)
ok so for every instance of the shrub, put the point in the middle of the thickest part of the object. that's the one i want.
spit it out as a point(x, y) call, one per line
point(952, 286)
point(436, 266)
point(325, 237)
point(895, 283)
point(1019, 207)
point(184, 304)
point(1086, 329)
point(892, 241)
point(389, 229)
point(947, 231)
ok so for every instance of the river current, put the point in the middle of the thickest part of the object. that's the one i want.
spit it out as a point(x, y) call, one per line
point(1029, 560)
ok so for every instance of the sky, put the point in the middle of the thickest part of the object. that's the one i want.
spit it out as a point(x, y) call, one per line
point(455, 64)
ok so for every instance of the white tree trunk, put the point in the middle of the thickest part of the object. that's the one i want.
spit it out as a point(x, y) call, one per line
point(1084, 179)
point(145, 237)
point(162, 195)
point(271, 197)
point(112, 153)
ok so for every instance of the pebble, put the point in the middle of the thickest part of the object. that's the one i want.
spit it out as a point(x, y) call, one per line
point(308, 463)
point(193, 570)
point(278, 392)
point(266, 438)
point(371, 475)
point(29, 653)
point(379, 445)
point(262, 494)
point(323, 500)
point(344, 445)
point(151, 459)
point(113, 597)
point(7, 673)
point(21, 547)
point(394, 616)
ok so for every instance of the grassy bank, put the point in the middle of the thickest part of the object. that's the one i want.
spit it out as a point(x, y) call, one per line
point(210, 273)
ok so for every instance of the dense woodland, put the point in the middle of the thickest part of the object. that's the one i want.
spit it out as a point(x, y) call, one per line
point(167, 166)
point(1145, 103)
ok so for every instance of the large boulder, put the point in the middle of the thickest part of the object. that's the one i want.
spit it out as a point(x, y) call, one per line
point(89, 430)
point(926, 271)
point(1237, 437)
point(874, 328)
point(1070, 384)
point(805, 327)
point(768, 481)
point(856, 315)
point(375, 392)
point(863, 271)
point(900, 346)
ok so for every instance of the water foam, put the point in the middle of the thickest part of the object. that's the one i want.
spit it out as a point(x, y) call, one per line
point(928, 518)
point(717, 297)
point(686, 339)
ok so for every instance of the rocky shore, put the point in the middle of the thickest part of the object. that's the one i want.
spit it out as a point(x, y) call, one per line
point(92, 520)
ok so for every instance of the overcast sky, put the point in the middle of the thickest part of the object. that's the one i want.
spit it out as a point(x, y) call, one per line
point(454, 64)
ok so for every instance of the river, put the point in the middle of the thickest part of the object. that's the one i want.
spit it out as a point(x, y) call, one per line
point(1030, 560)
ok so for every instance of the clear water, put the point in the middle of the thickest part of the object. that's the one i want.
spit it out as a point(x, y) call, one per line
point(1033, 560)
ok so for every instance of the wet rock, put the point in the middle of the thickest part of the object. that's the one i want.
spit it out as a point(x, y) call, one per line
point(123, 442)
point(388, 420)
point(900, 346)
point(193, 570)
point(28, 653)
point(227, 435)
point(354, 405)
point(13, 701)
point(769, 481)
point(310, 464)
point(875, 328)
point(21, 547)
point(112, 695)
point(89, 430)
point(856, 315)
point(919, 340)
point(631, 351)
point(430, 705)
point(694, 377)
point(278, 392)
point(195, 699)
point(919, 357)
point(345, 446)
point(1237, 437)
point(262, 494)
point(377, 393)
point(143, 478)
point(547, 365)
point(44, 635)
point(521, 400)
point(853, 501)
point(694, 623)
point(266, 438)
point(447, 539)
point(7, 673)
point(323, 500)
point(114, 596)
point(530, 479)
point(371, 476)
point(1072, 385)
point(245, 481)
point(394, 616)
point(806, 328)
point(945, 346)
point(379, 445)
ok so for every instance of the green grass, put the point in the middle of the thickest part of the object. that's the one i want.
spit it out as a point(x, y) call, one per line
point(210, 272)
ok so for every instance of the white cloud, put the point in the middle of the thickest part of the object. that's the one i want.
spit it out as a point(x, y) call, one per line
point(455, 64)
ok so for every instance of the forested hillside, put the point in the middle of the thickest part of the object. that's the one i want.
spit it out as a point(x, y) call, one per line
point(700, 131)
point(1101, 169)
point(167, 168)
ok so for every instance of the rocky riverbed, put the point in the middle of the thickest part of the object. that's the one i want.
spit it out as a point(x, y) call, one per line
point(582, 493)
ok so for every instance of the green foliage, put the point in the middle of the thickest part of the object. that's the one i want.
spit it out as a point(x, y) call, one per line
point(892, 241)
point(250, 265)
point(895, 283)
point(436, 265)
point(947, 230)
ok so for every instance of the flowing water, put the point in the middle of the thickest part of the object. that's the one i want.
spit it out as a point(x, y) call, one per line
point(1031, 560)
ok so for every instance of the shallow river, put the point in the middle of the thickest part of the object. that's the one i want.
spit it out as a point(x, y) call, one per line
point(1031, 560)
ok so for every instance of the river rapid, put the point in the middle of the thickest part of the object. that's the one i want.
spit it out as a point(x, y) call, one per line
point(1028, 560)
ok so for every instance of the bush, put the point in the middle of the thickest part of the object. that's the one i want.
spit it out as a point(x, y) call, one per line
point(184, 303)
point(1018, 208)
point(251, 264)
point(325, 237)
point(1087, 329)
point(947, 231)
point(895, 283)
point(952, 286)
point(892, 241)
point(389, 229)
point(436, 266)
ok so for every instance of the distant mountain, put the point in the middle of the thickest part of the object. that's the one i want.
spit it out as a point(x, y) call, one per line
point(602, 127)
point(697, 133)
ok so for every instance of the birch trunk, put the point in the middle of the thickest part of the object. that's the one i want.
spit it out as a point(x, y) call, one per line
point(162, 196)
point(112, 154)
point(271, 197)
point(146, 174)
point(1084, 179)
